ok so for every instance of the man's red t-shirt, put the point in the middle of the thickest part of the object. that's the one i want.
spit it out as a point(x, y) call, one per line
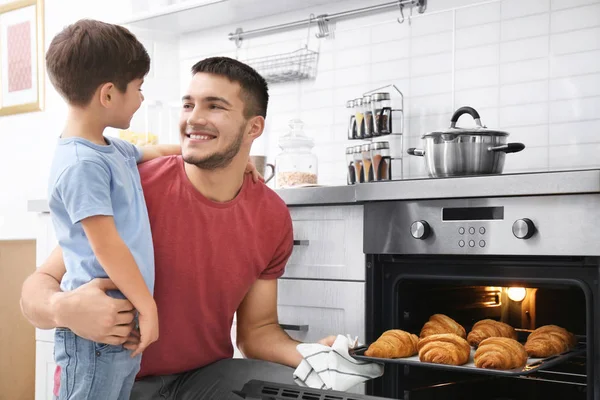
point(207, 256)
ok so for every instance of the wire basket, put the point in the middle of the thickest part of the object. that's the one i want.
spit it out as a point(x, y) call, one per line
point(295, 66)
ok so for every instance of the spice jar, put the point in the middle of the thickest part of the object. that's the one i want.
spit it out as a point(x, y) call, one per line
point(358, 164)
point(367, 164)
point(352, 123)
point(295, 165)
point(360, 118)
point(381, 161)
point(381, 107)
point(351, 179)
point(368, 117)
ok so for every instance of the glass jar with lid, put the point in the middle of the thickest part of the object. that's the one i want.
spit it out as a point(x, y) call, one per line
point(360, 118)
point(381, 161)
point(381, 107)
point(352, 123)
point(358, 164)
point(368, 117)
point(367, 162)
point(351, 175)
point(296, 165)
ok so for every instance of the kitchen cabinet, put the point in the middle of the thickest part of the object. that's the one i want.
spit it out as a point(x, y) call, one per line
point(44, 370)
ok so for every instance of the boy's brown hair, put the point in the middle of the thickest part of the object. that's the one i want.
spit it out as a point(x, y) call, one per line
point(89, 53)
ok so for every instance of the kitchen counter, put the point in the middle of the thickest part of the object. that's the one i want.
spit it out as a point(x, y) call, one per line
point(542, 183)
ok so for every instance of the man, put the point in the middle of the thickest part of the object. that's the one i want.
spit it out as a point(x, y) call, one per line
point(220, 243)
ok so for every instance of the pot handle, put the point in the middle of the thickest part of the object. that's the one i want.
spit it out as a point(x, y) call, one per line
point(465, 110)
point(508, 148)
point(416, 152)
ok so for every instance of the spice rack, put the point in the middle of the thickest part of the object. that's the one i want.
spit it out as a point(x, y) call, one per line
point(376, 115)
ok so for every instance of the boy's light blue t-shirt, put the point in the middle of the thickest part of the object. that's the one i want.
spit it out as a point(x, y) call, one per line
point(87, 179)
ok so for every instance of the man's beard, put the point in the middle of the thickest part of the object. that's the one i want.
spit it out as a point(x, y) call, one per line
point(219, 159)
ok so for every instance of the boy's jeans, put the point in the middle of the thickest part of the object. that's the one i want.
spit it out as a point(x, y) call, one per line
point(91, 370)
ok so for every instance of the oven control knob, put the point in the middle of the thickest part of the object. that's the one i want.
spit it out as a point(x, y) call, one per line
point(420, 230)
point(523, 228)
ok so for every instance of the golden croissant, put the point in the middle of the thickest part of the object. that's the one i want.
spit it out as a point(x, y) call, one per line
point(549, 340)
point(440, 323)
point(393, 344)
point(500, 353)
point(445, 348)
point(487, 328)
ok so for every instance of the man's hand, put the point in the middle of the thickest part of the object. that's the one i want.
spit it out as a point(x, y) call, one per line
point(328, 341)
point(93, 315)
point(251, 169)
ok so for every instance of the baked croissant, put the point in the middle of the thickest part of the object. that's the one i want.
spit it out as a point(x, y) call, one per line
point(440, 323)
point(394, 343)
point(487, 328)
point(500, 353)
point(549, 340)
point(445, 348)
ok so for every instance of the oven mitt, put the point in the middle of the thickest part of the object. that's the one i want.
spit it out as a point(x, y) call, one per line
point(332, 368)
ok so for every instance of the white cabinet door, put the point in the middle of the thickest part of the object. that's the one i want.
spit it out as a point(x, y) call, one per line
point(310, 310)
point(44, 371)
point(45, 238)
point(328, 243)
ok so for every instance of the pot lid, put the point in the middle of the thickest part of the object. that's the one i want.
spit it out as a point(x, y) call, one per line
point(477, 130)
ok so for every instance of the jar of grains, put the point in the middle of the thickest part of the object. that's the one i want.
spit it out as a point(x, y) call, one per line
point(296, 165)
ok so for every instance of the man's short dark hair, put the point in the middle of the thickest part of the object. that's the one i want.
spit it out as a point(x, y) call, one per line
point(255, 91)
point(89, 53)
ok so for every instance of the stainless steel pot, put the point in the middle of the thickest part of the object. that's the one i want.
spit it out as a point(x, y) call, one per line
point(465, 151)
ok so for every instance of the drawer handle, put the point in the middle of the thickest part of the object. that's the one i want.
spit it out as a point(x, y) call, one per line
point(300, 242)
point(299, 328)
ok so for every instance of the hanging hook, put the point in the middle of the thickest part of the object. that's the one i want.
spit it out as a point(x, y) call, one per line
point(401, 7)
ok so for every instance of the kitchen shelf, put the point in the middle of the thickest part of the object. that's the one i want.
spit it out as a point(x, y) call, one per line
point(195, 15)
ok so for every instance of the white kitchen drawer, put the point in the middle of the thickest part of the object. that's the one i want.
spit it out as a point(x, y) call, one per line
point(311, 310)
point(328, 243)
point(44, 370)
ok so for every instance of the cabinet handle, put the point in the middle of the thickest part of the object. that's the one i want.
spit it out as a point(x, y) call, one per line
point(299, 328)
point(300, 242)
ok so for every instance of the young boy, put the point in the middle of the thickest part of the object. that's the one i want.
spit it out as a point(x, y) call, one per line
point(96, 199)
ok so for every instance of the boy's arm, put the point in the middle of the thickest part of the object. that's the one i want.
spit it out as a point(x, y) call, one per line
point(151, 152)
point(118, 262)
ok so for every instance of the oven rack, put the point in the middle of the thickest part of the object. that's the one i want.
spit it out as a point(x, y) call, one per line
point(261, 390)
point(533, 364)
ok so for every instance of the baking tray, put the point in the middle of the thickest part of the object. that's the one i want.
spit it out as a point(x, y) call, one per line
point(533, 364)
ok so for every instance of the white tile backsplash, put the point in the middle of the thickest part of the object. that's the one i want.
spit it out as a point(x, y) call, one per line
point(478, 35)
point(574, 110)
point(576, 18)
point(530, 67)
point(526, 49)
point(477, 56)
point(524, 93)
point(524, 71)
point(520, 28)
point(575, 86)
point(521, 8)
point(476, 77)
point(478, 15)
point(575, 41)
point(575, 132)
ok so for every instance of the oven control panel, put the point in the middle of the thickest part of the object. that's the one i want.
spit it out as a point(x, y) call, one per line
point(541, 225)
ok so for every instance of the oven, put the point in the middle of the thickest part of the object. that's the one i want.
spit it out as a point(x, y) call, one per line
point(527, 261)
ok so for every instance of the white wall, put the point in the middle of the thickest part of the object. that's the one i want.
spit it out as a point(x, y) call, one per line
point(529, 67)
point(27, 140)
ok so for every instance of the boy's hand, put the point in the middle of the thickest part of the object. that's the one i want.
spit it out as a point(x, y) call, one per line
point(251, 169)
point(148, 321)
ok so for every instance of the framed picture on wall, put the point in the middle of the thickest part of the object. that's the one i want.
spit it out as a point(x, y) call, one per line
point(21, 56)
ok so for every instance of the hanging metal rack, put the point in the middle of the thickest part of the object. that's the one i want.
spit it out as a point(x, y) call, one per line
point(324, 19)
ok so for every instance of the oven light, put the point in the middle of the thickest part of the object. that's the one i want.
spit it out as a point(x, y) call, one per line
point(516, 293)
